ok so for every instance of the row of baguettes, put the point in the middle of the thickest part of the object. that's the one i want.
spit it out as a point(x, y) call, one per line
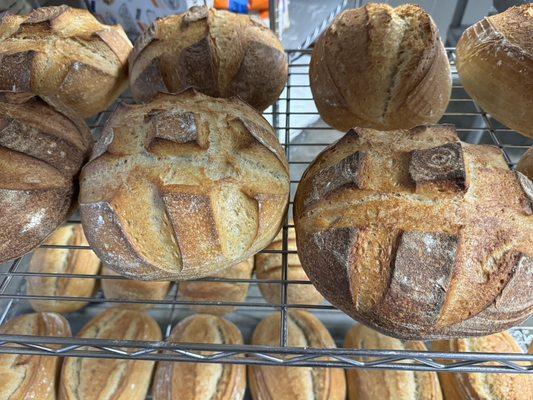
point(119, 379)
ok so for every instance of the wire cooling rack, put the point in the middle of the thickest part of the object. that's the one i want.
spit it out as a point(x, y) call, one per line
point(303, 135)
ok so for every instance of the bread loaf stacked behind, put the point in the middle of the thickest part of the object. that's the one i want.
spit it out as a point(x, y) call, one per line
point(380, 67)
point(418, 235)
point(234, 292)
point(31, 377)
point(117, 379)
point(525, 165)
point(183, 187)
point(42, 149)
point(191, 381)
point(364, 384)
point(65, 53)
point(473, 386)
point(218, 53)
point(277, 383)
point(495, 64)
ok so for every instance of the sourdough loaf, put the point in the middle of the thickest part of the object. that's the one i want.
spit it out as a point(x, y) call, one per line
point(66, 53)
point(31, 376)
point(62, 261)
point(366, 384)
point(269, 266)
point(495, 64)
point(525, 165)
point(302, 383)
point(183, 186)
point(380, 67)
point(42, 148)
point(117, 379)
point(202, 291)
point(193, 381)
point(219, 53)
point(418, 235)
point(473, 386)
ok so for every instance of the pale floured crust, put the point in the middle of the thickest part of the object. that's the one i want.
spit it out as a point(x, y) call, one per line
point(183, 186)
point(285, 383)
point(419, 235)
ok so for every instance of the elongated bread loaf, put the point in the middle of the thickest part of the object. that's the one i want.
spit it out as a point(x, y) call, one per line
point(418, 235)
point(380, 67)
point(62, 261)
point(495, 64)
point(42, 148)
point(117, 379)
point(31, 377)
point(192, 381)
point(285, 383)
point(365, 384)
point(65, 53)
point(183, 186)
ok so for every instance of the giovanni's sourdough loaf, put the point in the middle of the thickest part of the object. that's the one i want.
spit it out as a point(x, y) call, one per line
point(42, 149)
point(418, 235)
point(193, 381)
point(117, 379)
point(380, 67)
point(219, 53)
point(495, 64)
point(285, 383)
point(474, 386)
point(183, 186)
point(365, 384)
point(31, 377)
point(66, 53)
point(62, 261)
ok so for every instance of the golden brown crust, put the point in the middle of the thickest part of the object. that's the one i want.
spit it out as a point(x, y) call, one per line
point(66, 53)
point(62, 261)
point(365, 384)
point(484, 386)
point(116, 379)
point(495, 64)
point(380, 67)
point(194, 381)
point(219, 53)
point(41, 152)
point(218, 291)
point(284, 383)
point(183, 187)
point(31, 377)
point(436, 244)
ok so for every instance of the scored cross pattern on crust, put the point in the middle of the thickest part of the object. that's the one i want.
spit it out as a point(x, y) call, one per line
point(183, 186)
point(418, 234)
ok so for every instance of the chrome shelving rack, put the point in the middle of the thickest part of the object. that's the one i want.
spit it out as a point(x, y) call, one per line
point(296, 122)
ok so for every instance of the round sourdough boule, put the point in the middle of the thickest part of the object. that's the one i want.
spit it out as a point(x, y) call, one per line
point(495, 64)
point(219, 53)
point(525, 165)
point(42, 148)
point(418, 235)
point(183, 186)
point(64, 52)
point(380, 67)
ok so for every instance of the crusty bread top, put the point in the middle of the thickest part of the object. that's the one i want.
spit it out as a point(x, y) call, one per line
point(516, 25)
point(183, 186)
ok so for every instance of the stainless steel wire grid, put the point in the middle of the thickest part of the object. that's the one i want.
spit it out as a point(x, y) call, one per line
point(303, 135)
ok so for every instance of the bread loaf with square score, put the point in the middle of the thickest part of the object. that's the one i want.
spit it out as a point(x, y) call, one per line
point(117, 379)
point(380, 67)
point(495, 64)
point(183, 186)
point(31, 376)
point(66, 53)
point(199, 381)
point(417, 234)
point(62, 261)
point(219, 53)
point(42, 149)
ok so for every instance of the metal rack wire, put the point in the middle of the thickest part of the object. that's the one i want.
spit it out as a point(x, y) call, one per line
point(303, 135)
